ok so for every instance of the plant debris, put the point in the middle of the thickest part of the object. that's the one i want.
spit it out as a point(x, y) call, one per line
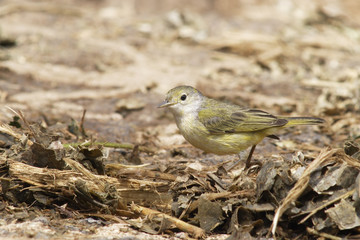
point(77, 178)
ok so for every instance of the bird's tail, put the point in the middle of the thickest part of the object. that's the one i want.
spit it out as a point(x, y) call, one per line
point(293, 121)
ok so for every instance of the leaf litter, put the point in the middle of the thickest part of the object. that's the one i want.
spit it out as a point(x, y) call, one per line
point(124, 170)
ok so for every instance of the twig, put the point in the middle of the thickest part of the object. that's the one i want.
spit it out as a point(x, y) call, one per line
point(344, 196)
point(183, 226)
point(81, 169)
point(107, 217)
point(62, 209)
point(350, 160)
point(301, 185)
point(5, 128)
point(136, 170)
point(213, 196)
point(22, 117)
point(110, 145)
point(81, 125)
point(324, 235)
point(119, 166)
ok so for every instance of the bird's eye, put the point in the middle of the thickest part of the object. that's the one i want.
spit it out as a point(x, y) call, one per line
point(183, 97)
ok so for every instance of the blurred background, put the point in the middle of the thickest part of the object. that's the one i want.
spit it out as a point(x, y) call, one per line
point(117, 60)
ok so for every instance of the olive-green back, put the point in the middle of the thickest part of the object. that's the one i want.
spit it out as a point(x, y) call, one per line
point(219, 118)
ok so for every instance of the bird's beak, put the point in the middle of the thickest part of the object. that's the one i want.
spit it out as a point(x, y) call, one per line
point(165, 104)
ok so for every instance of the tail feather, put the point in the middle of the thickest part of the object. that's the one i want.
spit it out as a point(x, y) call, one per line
point(293, 121)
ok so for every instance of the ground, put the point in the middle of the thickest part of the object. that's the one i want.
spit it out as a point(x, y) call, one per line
point(117, 59)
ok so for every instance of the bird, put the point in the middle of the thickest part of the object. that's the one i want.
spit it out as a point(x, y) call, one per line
point(224, 128)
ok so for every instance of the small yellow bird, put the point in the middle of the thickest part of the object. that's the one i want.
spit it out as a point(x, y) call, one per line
point(224, 128)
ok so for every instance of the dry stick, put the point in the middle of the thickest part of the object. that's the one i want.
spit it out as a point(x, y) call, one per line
point(68, 213)
point(22, 117)
point(5, 128)
point(350, 160)
point(183, 226)
point(344, 196)
point(81, 125)
point(301, 185)
point(110, 145)
point(119, 166)
point(107, 217)
point(81, 169)
point(324, 235)
point(16, 135)
point(213, 196)
point(136, 170)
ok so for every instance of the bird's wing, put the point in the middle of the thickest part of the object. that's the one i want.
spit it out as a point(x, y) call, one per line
point(233, 119)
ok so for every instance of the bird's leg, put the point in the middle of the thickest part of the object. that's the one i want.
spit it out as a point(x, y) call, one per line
point(248, 160)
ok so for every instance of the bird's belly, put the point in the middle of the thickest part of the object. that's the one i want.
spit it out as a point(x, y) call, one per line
point(221, 144)
point(231, 143)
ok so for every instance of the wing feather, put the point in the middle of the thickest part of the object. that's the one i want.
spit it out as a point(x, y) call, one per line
point(225, 118)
